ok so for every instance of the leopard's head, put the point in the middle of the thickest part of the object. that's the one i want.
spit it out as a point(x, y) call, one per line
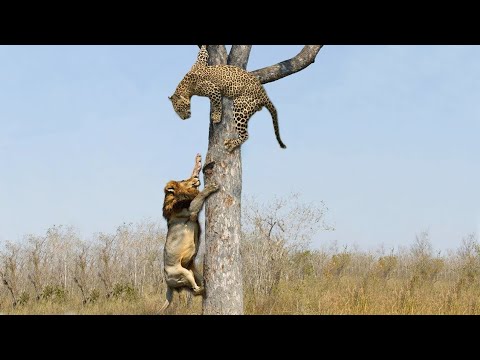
point(181, 105)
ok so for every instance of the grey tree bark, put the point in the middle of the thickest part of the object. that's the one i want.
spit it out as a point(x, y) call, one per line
point(222, 266)
point(222, 269)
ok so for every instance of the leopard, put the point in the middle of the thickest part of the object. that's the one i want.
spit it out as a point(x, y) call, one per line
point(181, 207)
point(217, 81)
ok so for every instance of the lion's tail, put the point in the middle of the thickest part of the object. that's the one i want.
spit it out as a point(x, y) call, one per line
point(168, 300)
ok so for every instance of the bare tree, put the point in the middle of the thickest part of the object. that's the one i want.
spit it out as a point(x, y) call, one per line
point(9, 274)
point(80, 276)
point(36, 252)
point(222, 263)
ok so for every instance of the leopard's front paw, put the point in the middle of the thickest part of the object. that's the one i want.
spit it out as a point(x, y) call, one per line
point(230, 145)
point(216, 117)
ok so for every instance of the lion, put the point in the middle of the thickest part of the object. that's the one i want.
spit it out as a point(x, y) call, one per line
point(182, 204)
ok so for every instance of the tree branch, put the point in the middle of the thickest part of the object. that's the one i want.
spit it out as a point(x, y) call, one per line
point(239, 55)
point(217, 54)
point(288, 67)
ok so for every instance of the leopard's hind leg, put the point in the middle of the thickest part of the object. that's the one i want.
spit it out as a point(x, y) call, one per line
point(243, 109)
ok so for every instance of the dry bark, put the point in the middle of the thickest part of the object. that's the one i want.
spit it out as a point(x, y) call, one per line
point(222, 264)
point(275, 72)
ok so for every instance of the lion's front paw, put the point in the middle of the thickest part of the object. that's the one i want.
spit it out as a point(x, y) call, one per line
point(230, 144)
point(199, 290)
point(216, 117)
point(212, 187)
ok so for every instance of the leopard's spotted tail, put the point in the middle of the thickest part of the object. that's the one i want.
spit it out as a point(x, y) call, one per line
point(202, 57)
point(273, 112)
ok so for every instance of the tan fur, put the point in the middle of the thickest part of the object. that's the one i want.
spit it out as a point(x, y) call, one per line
point(245, 89)
point(182, 204)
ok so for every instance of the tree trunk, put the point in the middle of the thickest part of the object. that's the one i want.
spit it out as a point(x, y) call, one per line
point(222, 268)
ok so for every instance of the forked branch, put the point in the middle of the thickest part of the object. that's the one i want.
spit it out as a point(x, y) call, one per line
point(239, 55)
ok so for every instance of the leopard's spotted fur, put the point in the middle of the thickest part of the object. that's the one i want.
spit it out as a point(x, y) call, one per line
point(245, 89)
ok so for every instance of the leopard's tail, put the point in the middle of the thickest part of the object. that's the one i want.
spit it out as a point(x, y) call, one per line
point(202, 57)
point(273, 112)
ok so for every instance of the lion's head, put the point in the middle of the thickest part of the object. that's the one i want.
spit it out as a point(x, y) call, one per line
point(181, 106)
point(179, 195)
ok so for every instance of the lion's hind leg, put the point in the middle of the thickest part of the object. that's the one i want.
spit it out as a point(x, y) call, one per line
point(184, 277)
point(198, 277)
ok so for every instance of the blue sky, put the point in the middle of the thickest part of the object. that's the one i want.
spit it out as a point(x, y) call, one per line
point(386, 136)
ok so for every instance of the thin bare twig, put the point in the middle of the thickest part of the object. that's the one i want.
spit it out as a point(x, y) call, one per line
point(198, 166)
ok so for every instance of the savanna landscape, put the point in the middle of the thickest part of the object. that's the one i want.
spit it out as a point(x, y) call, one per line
point(366, 204)
point(121, 273)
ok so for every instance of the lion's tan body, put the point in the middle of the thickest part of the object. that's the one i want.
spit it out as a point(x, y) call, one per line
point(182, 204)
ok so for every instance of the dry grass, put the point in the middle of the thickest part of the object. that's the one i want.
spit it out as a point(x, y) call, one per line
point(412, 281)
point(121, 273)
